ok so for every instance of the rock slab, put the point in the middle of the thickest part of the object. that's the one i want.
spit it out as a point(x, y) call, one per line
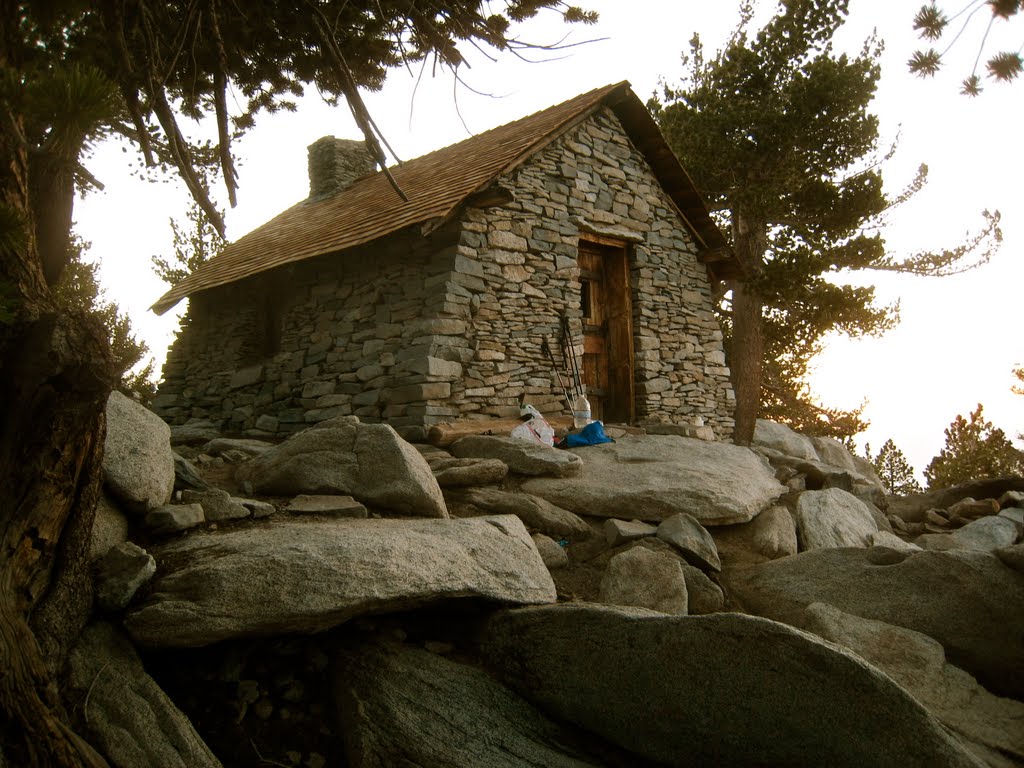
point(550, 551)
point(186, 476)
point(824, 459)
point(987, 534)
point(892, 541)
point(971, 602)
point(257, 581)
point(341, 456)
point(404, 706)
point(657, 476)
point(769, 536)
point(727, 689)
point(641, 578)
point(618, 532)
point(171, 518)
point(316, 504)
point(127, 715)
point(521, 457)
point(692, 540)
point(918, 663)
point(1012, 557)
point(120, 573)
point(833, 518)
point(217, 504)
point(109, 528)
point(535, 512)
point(138, 463)
point(463, 473)
point(220, 445)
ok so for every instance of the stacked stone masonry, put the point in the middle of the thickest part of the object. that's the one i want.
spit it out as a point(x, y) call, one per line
point(415, 330)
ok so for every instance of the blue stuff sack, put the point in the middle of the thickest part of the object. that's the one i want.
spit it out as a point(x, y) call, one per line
point(592, 434)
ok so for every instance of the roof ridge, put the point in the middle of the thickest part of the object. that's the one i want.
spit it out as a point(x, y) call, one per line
point(580, 97)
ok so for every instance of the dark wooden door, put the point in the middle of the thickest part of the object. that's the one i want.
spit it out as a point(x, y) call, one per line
point(607, 330)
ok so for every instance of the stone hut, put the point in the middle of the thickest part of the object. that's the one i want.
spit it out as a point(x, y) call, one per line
point(574, 229)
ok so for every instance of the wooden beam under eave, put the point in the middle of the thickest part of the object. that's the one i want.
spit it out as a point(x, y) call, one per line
point(494, 195)
point(721, 263)
point(716, 254)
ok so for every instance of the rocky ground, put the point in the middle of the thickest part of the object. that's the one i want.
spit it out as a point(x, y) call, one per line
point(347, 598)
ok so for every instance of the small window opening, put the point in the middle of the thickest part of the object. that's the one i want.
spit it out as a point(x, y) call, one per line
point(586, 306)
point(270, 341)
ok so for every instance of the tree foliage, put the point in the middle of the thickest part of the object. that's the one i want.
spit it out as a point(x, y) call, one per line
point(776, 131)
point(931, 23)
point(195, 241)
point(79, 291)
point(893, 469)
point(82, 72)
point(72, 74)
point(974, 449)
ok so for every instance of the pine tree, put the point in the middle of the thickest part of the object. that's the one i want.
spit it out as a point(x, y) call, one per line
point(195, 242)
point(974, 449)
point(777, 133)
point(893, 469)
point(931, 22)
point(79, 291)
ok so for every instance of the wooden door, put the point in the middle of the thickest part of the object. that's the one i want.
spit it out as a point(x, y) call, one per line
point(607, 330)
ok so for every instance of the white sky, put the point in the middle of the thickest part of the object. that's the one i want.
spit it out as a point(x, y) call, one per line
point(958, 339)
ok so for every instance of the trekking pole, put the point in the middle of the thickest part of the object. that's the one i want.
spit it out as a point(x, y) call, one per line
point(565, 354)
point(551, 357)
point(572, 356)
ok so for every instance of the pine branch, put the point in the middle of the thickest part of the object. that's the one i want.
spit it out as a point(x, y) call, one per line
point(352, 96)
point(220, 86)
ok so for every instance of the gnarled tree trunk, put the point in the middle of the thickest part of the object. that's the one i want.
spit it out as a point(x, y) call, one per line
point(55, 375)
point(54, 386)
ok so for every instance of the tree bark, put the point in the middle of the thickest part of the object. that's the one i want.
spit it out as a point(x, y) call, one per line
point(747, 349)
point(55, 375)
point(55, 384)
point(747, 364)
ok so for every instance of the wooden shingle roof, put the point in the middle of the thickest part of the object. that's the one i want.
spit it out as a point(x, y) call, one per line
point(437, 184)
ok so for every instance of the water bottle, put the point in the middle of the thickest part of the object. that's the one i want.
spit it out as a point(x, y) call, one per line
point(581, 411)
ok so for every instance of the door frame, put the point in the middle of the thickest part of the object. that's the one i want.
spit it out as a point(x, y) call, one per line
point(619, 403)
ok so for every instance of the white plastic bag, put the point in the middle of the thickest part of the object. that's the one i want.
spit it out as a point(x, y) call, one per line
point(536, 430)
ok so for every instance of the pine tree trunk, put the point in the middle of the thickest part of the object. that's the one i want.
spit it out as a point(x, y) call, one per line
point(55, 383)
point(747, 361)
point(55, 375)
point(747, 349)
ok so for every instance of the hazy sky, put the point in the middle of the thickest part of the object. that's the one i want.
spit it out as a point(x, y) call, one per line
point(958, 339)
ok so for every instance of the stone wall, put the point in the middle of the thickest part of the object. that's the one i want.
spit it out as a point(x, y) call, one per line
point(418, 330)
point(353, 336)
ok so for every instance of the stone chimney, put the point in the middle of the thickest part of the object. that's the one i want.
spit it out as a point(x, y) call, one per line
point(336, 163)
